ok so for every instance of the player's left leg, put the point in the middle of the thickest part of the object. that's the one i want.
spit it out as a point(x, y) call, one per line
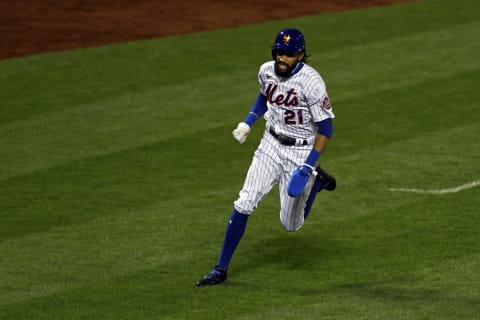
point(292, 208)
point(323, 180)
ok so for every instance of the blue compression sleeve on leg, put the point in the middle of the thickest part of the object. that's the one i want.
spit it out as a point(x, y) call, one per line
point(317, 186)
point(258, 109)
point(235, 229)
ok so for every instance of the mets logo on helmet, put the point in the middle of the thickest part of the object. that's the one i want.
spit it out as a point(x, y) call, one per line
point(286, 38)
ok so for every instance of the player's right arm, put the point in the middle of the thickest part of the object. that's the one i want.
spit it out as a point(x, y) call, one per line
point(258, 110)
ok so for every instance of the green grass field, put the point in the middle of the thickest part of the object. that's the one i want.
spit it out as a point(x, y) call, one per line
point(118, 172)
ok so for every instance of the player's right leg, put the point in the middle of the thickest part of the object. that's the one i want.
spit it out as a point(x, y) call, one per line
point(236, 226)
point(261, 177)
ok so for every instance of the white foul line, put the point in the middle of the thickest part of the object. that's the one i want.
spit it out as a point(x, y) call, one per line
point(440, 191)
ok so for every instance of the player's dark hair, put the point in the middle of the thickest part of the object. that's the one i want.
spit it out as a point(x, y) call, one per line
point(305, 56)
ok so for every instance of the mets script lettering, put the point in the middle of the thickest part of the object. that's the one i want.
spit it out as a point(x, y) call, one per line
point(290, 99)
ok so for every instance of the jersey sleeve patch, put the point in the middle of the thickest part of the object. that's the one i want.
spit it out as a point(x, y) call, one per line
point(326, 105)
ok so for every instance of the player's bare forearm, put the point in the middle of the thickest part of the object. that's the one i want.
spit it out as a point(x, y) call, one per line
point(321, 142)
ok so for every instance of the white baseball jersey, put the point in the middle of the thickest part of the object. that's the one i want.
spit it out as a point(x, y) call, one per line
point(294, 105)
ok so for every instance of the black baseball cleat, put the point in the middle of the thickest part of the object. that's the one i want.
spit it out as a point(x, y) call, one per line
point(217, 276)
point(328, 182)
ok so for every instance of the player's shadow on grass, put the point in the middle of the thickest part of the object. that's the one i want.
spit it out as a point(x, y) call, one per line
point(286, 252)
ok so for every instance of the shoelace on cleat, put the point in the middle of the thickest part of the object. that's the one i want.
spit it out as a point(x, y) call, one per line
point(213, 274)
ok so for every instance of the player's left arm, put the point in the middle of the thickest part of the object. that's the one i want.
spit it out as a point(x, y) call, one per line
point(301, 175)
point(323, 112)
point(324, 133)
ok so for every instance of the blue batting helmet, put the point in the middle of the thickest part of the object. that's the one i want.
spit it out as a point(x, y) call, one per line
point(289, 40)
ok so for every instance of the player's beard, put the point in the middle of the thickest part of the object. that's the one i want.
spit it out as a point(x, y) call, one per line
point(287, 71)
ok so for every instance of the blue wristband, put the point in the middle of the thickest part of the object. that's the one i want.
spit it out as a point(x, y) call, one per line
point(312, 157)
point(251, 118)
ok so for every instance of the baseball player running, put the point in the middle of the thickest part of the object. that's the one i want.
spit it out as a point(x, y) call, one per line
point(294, 102)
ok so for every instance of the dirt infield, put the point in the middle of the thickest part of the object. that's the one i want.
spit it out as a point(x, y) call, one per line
point(35, 26)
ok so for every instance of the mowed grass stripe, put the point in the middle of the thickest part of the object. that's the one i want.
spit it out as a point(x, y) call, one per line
point(127, 179)
point(167, 217)
point(385, 245)
point(120, 181)
point(89, 235)
point(134, 118)
point(98, 250)
point(404, 61)
point(108, 126)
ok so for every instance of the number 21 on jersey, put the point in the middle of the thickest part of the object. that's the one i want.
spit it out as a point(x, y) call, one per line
point(293, 116)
